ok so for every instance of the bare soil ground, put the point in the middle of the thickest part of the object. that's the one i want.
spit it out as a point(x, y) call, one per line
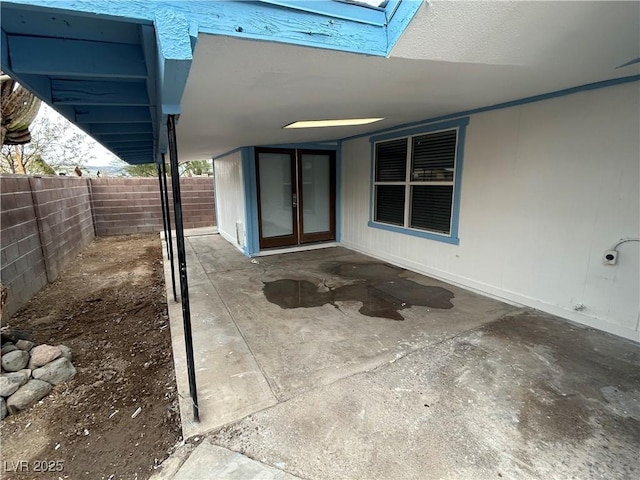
point(109, 307)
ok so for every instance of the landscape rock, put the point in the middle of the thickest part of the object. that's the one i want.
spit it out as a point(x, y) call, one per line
point(25, 345)
point(8, 347)
point(14, 361)
point(13, 335)
point(56, 372)
point(25, 371)
point(10, 382)
point(43, 354)
point(30, 393)
point(3, 408)
point(66, 352)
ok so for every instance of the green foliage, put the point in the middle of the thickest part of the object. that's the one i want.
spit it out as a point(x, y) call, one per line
point(144, 170)
point(187, 169)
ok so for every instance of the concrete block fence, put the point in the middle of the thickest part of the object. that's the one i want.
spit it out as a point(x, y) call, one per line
point(46, 221)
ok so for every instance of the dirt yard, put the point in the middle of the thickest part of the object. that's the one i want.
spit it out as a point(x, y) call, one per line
point(109, 307)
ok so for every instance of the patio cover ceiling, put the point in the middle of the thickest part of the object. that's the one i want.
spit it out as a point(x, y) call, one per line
point(117, 69)
point(118, 75)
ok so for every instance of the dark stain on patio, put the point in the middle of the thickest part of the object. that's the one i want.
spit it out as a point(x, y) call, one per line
point(382, 293)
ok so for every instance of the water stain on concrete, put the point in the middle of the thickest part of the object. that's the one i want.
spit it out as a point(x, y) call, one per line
point(378, 287)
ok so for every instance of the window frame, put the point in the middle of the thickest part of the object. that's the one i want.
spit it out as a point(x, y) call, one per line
point(452, 237)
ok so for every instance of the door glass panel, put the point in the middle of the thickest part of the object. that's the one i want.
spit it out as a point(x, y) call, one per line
point(276, 194)
point(316, 193)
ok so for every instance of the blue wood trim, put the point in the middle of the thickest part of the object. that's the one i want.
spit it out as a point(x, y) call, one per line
point(69, 58)
point(431, 127)
point(335, 9)
point(126, 139)
point(499, 106)
point(250, 201)
point(457, 184)
point(415, 233)
point(113, 115)
point(390, 8)
point(453, 237)
point(105, 130)
point(150, 49)
point(174, 58)
point(400, 19)
point(95, 92)
point(339, 192)
point(32, 18)
point(302, 146)
point(254, 20)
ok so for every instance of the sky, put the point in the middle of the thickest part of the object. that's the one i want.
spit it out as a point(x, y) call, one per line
point(103, 157)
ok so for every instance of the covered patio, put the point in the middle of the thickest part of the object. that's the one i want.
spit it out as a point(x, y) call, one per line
point(322, 364)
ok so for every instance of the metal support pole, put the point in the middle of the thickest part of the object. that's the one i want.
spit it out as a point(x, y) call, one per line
point(164, 212)
point(182, 264)
point(163, 165)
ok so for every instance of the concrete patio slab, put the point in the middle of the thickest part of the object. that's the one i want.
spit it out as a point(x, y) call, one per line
point(209, 461)
point(328, 364)
point(525, 397)
point(251, 352)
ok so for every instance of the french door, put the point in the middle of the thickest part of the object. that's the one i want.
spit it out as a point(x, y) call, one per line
point(296, 196)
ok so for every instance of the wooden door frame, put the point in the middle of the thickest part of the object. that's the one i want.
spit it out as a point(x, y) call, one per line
point(284, 240)
point(331, 233)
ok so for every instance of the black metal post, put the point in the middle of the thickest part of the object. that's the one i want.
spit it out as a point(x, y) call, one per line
point(164, 211)
point(163, 165)
point(182, 263)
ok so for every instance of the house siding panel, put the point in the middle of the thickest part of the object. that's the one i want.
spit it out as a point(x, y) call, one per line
point(546, 189)
point(230, 197)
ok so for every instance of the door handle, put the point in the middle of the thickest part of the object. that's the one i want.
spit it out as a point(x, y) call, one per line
point(294, 200)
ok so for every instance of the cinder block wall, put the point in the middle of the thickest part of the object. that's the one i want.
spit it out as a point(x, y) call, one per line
point(132, 205)
point(45, 222)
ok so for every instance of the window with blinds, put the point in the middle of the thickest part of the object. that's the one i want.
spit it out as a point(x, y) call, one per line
point(414, 181)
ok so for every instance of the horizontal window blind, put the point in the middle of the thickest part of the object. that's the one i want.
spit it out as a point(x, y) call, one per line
point(433, 156)
point(390, 204)
point(431, 207)
point(391, 161)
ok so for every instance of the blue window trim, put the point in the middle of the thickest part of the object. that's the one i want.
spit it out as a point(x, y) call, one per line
point(453, 237)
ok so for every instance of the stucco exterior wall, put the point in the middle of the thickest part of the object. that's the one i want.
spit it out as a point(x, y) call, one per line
point(230, 199)
point(546, 189)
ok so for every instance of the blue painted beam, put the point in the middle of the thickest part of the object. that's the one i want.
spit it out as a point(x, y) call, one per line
point(254, 20)
point(174, 58)
point(140, 153)
point(68, 58)
point(126, 139)
point(88, 92)
point(130, 147)
point(112, 115)
point(36, 84)
point(336, 9)
point(115, 129)
point(138, 161)
point(402, 14)
point(150, 49)
point(29, 18)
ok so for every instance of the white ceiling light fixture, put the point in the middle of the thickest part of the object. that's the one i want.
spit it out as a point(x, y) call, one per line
point(342, 122)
